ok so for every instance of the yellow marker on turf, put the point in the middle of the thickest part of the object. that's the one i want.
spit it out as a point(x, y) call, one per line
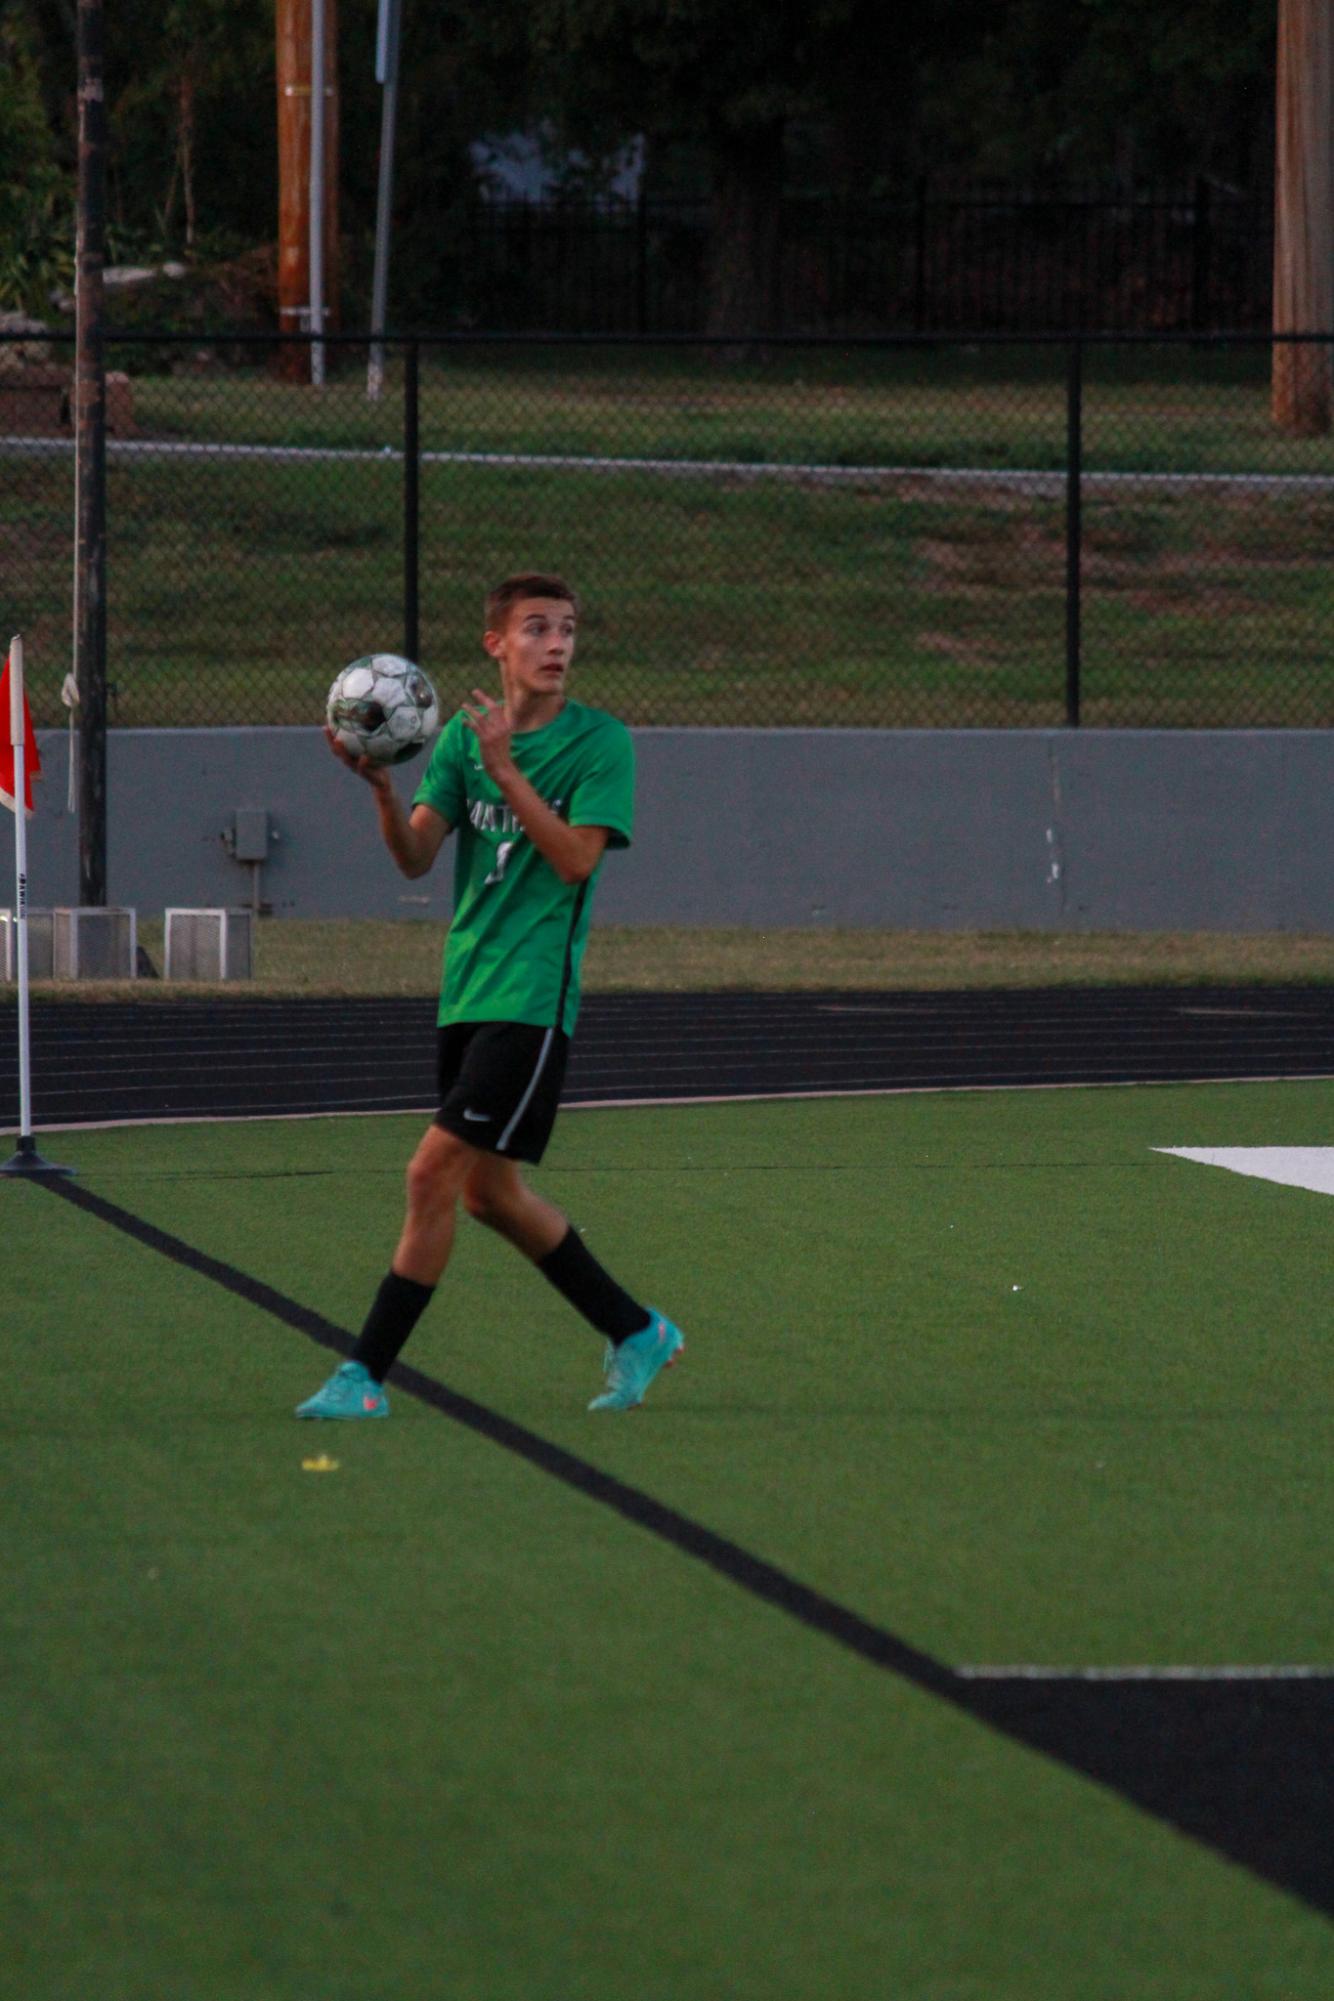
point(324, 1464)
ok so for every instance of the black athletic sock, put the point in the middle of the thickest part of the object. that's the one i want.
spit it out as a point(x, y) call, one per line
point(395, 1311)
point(576, 1274)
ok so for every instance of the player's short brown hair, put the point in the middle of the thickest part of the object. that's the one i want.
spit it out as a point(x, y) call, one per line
point(501, 601)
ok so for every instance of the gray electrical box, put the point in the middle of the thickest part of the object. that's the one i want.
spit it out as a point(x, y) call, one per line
point(209, 945)
point(250, 839)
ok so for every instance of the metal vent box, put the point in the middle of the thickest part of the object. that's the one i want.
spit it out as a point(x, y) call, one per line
point(92, 942)
point(39, 945)
point(209, 945)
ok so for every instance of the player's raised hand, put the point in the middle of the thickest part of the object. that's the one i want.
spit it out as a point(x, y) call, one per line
point(493, 730)
point(375, 775)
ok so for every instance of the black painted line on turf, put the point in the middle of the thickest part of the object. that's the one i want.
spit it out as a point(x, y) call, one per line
point(1276, 1672)
point(1285, 1847)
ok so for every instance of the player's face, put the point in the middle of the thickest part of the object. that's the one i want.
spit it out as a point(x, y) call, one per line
point(537, 645)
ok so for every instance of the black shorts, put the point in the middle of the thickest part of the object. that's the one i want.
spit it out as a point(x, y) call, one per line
point(500, 1085)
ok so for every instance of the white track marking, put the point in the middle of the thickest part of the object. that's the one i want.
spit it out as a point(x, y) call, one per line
point(666, 1104)
point(1294, 1166)
point(1027, 1673)
point(1248, 1013)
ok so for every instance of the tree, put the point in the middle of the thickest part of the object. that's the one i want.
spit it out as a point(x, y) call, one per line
point(189, 112)
point(1089, 89)
point(190, 116)
point(732, 77)
point(877, 96)
point(763, 95)
point(36, 180)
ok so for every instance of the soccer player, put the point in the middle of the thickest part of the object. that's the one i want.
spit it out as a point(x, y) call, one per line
point(537, 788)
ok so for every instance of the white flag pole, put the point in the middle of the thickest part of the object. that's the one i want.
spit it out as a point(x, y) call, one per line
point(27, 1160)
point(17, 734)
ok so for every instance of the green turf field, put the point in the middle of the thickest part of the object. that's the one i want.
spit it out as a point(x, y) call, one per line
point(984, 1367)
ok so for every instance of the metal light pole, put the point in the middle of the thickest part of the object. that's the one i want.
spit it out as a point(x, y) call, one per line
point(388, 37)
point(90, 463)
point(316, 200)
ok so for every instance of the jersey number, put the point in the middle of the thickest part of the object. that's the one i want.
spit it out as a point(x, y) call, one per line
point(503, 853)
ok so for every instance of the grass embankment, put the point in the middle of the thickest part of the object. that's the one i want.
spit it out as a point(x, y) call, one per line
point(239, 585)
point(998, 406)
point(326, 956)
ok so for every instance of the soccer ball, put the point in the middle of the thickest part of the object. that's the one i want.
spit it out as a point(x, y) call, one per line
point(383, 707)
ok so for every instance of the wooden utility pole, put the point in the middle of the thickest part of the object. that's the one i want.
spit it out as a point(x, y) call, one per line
point(295, 174)
point(90, 461)
point(1304, 215)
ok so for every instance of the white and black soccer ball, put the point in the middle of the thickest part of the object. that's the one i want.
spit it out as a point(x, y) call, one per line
point(383, 707)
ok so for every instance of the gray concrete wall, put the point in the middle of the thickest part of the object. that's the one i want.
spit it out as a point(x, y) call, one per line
point(933, 829)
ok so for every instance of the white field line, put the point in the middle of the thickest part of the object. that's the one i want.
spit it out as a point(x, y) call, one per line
point(427, 1111)
point(1291, 1166)
point(1048, 484)
point(1260, 1673)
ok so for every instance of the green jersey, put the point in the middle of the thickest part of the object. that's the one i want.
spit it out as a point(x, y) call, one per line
point(516, 943)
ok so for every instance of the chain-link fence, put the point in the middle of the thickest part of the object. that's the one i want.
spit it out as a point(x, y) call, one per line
point(887, 534)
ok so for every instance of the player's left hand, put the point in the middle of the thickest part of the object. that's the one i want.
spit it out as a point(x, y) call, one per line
point(375, 775)
point(493, 730)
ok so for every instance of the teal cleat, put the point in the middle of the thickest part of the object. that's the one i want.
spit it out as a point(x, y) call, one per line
point(631, 1367)
point(350, 1392)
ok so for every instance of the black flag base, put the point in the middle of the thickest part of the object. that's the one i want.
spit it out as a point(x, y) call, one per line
point(28, 1161)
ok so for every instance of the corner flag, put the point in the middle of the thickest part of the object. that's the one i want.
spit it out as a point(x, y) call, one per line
point(18, 759)
point(32, 763)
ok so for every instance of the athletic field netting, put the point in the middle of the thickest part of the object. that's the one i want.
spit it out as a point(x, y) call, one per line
point(954, 1623)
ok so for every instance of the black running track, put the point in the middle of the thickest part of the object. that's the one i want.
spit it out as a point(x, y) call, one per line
point(255, 1057)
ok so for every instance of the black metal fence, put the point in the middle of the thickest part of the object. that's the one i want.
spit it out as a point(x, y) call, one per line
point(876, 534)
point(946, 257)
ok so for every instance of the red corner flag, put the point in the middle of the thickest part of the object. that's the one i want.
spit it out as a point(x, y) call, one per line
point(32, 763)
